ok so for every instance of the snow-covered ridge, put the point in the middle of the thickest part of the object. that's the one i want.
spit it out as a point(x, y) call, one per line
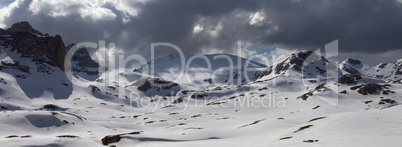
point(201, 69)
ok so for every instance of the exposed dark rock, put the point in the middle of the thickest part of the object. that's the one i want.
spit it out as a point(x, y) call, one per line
point(193, 128)
point(283, 138)
point(110, 139)
point(351, 70)
point(386, 92)
point(4, 108)
point(350, 65)
point(395, 81)
point(195, 116)
point(390, 101)
point(297, 61)
point(150, 122)
point(143, 84)
point(303, 128)
point(356, 87)
point(187, 91)
point(83, 61)
point(23, 26)
point(11, 136)
point(398, 70)
point(57, 50)
point(50, 106)
point(178, 100)
point(310, 141)
point(111, 87)
point(208, 80)
point(3, 81)
point(353, 61)
point(349, 79)
point(198, 95)
point(266, 72)
point(281, 67)
point(320, 87)
point(32, 44)
point(215, 103)
point(216, 88)
point(67, 136)
point(26, 136)
point(253, 123)
point(321, 71)
point(370, 88)
point(368, 102)
point(318, 118)
point(149, 83)
point(94, 88)
point(16, 65)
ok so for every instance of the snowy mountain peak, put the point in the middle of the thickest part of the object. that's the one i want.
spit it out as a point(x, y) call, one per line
point(352, 61)
point(307, 63)
point(353, 66)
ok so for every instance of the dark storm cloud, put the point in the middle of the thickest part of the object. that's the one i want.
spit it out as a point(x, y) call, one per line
point(369, 26)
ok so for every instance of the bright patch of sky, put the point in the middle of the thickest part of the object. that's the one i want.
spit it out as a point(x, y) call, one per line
point(271, 53)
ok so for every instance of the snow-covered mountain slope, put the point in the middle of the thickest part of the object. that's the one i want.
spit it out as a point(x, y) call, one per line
point(303, 100)
point(306, 64)
point(202, 70)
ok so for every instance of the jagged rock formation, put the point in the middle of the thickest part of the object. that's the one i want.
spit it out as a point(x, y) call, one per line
point(153, 83)
point(82, 62)
point(30, 43)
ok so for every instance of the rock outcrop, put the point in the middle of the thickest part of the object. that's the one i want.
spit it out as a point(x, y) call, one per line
point(154, 83)
point(82, 62)
point(371, 88)
point(349, 79)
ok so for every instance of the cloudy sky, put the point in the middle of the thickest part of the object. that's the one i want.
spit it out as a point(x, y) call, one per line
point(369, 30)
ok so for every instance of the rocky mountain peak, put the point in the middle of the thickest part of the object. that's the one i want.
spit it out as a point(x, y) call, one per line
point(351, 66)
point(23, 26)
point(82, 61)
point(298, 61)
point(30, 43)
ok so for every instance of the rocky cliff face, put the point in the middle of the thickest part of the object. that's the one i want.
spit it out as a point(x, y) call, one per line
point(57, 50)
point(30, 43)
point(36, 61)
